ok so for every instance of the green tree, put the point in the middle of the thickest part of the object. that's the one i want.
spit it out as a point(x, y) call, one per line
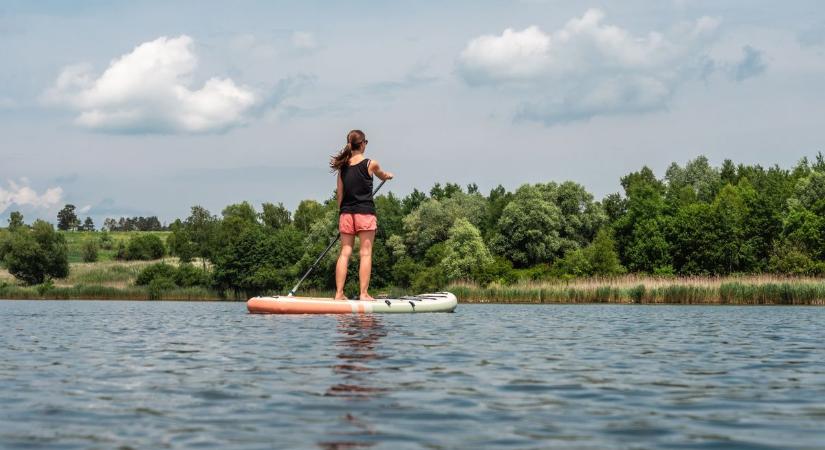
point(413, 201)
point(529, 228)
point(598, 258)
point(465, 253)
point(67, 219)
point(805, 230)
point(236, 219)
point(259, 260)
point(695, 237)
point(727, 173)
point(581, 216)
point(37, 254)
point(430, 223)
point(437, 192)
point(390, 214)
point(497, 200)
point(574, 263)
point(640, 231)
point(180, 242)
point(275, 216)
point(242, 212)
point(308, 212)
point(732, 251)
point(697, 175)
point(615, 206)
point(602, 256)
point(788, 258)
point(202, 230)
point(16, 221)
point(648, 249)
point(810, 189)
point(88, 224)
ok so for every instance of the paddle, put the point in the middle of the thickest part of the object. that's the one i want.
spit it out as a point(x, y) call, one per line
point(312, 267)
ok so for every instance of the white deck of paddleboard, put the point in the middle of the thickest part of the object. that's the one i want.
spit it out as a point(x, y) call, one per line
point(434, 302)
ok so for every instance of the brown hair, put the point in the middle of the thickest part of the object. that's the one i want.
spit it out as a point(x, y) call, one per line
point(355, 141)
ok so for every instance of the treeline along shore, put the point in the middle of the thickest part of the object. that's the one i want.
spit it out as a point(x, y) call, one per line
point(733, 234)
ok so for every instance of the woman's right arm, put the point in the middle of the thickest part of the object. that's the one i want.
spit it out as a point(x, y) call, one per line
point(376, 169)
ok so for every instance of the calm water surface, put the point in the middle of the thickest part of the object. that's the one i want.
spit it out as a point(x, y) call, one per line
point(182, 375)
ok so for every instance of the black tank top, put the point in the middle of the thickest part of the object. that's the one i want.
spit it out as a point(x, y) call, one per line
point(357, 188)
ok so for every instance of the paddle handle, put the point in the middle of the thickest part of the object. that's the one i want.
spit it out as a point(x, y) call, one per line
point(326, 250)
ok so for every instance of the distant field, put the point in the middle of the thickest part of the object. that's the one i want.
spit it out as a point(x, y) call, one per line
point(75, 240)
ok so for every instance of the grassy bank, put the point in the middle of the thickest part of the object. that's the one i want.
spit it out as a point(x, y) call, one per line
point(751, 290)
point(116, 280)
point(93, 292)
point(76, 239)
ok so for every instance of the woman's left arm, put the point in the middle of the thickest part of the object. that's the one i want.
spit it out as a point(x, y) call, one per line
point(340, 190)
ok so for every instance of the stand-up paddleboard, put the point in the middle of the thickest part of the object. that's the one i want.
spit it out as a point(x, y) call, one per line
point(437, 302)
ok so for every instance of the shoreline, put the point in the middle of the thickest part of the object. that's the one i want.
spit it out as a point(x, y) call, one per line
point(808, 292)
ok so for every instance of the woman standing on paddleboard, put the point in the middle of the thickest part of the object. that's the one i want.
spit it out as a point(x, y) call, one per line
point(357, 210)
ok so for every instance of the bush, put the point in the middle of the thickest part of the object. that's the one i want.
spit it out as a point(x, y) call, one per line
point(106, 242)
point(89, 251)
point(142, 247)
point(120, 252)
point(155, 271)
point(37, 254)
point(405, 271)
point(158, 286)
point(186, 275)
point(791, 259)
point(429, 280)
point(574, 263)
point(500, 271)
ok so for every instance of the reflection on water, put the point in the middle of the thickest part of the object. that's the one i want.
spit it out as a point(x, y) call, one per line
point(357, 345)
point(358, 340)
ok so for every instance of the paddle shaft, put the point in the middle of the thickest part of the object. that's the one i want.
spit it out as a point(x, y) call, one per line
point(324, 253)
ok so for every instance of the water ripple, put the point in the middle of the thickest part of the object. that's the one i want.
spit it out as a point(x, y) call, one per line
point(78, 375)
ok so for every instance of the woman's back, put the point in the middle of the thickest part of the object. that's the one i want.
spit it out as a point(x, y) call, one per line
point(357, 183)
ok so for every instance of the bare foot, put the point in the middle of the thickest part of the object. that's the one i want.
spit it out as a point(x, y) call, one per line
point(340, 297)
point(365, 297)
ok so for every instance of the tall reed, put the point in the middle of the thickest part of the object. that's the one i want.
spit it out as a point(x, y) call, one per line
point(761, 290)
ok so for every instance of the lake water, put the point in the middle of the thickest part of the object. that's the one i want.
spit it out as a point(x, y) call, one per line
point(76, 374)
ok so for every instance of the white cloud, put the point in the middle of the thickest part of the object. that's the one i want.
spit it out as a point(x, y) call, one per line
point(23, 195)
point(304, 40)
point(148, 90)
point(589, 68)
point(84, 209)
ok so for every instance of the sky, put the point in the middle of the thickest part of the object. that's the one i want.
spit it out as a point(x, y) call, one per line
point(151, 107)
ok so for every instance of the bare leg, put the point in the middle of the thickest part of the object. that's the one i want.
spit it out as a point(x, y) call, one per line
point(365, 270)
point(347, 241)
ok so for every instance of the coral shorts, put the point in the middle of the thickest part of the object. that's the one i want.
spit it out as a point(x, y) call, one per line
point(349, 223)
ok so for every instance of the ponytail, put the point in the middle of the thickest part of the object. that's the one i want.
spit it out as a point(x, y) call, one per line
point(355, 141)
